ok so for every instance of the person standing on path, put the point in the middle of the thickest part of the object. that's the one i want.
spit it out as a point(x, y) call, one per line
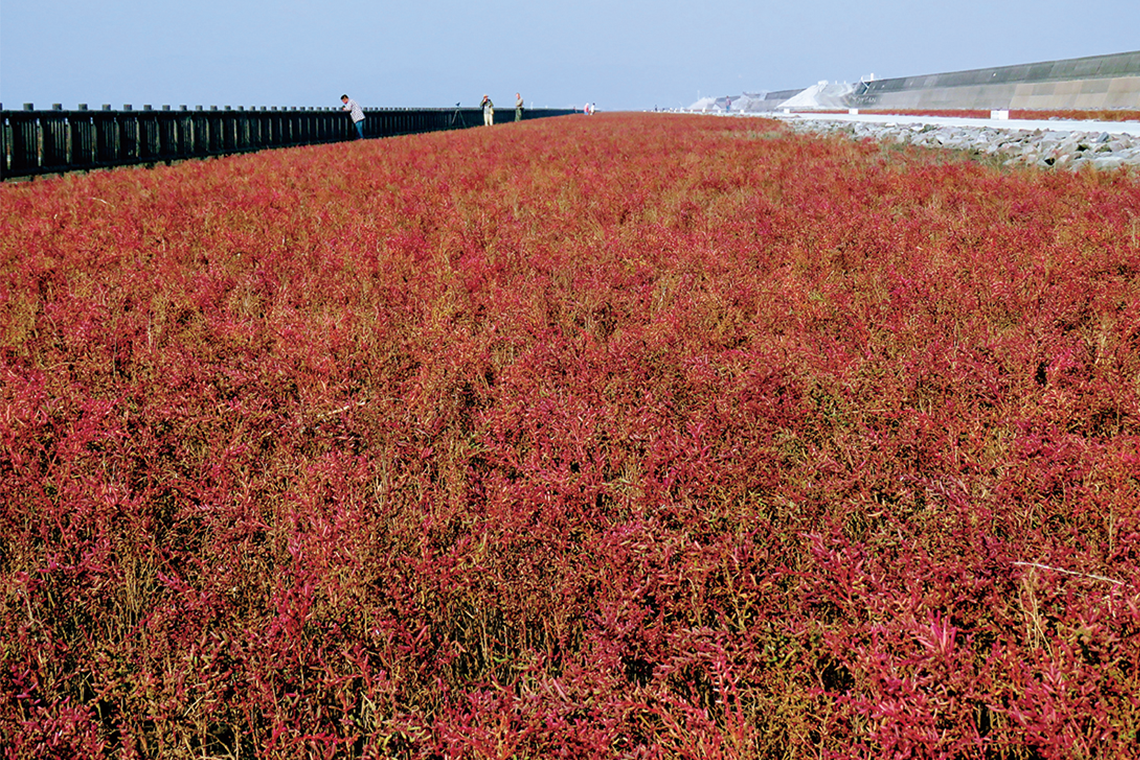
point(488, 111)
point(518, 107)
point(356, 112)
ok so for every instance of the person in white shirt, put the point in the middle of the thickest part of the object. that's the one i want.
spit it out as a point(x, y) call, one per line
point(488, 111)
point(356, 112)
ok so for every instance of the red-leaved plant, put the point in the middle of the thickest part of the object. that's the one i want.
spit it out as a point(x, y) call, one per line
point(640, 436)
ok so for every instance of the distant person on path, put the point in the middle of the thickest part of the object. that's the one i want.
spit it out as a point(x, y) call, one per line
point(518, 107)
point(357, 114)
point(488, 111)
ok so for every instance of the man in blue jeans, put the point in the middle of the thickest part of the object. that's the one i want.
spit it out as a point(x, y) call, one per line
point(356, 112)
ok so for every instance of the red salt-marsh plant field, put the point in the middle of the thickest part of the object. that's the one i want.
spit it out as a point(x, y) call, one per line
point(637, 436)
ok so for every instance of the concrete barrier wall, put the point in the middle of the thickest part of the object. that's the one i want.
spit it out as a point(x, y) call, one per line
point(1095, 82)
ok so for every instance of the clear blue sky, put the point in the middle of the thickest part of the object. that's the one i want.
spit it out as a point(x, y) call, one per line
point(620, 54)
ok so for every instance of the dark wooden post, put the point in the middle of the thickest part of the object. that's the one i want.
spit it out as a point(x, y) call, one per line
point(83, 152)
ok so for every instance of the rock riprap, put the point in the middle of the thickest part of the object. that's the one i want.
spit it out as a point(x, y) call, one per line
point(1043, 148)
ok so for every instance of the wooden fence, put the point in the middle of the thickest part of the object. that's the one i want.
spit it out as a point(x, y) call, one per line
point(35, 142)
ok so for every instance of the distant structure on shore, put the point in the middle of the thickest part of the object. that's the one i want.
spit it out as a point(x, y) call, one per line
point(1100, 82)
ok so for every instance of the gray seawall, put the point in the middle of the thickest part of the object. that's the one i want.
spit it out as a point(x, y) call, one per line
point(1092, 83)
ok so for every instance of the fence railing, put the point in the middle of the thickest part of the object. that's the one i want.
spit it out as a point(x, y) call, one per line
point(35, 142)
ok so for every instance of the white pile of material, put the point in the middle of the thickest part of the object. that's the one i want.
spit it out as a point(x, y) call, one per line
point(706, 104)
point(822, 95)
point(749, 101)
